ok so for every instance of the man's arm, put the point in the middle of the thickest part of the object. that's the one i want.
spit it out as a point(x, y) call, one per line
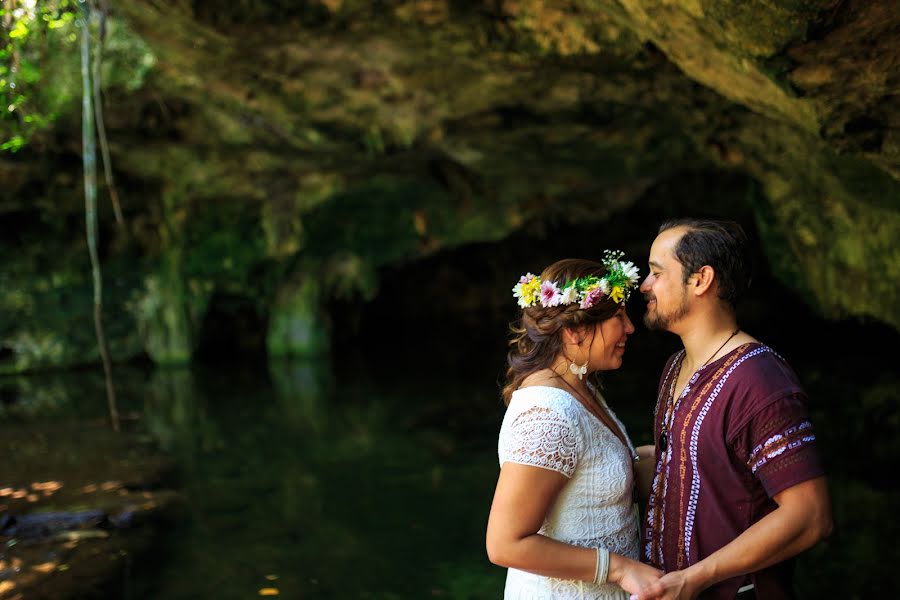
point(803, 517)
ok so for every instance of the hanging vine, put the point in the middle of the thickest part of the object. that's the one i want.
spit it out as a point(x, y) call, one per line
point(33, 30)
point(101, 10)
point(89, 159)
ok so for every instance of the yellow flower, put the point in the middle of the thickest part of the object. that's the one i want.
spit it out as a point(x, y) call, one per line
point(617, 294)
point(531, 291)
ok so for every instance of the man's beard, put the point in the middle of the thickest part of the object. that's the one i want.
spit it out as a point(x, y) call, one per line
point(658, 321)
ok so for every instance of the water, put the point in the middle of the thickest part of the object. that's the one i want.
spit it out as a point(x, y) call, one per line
point(330, 481)
point(295, 480)
point(340, 490)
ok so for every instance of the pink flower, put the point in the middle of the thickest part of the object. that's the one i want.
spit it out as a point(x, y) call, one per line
point(549, 294)
point(592, 297)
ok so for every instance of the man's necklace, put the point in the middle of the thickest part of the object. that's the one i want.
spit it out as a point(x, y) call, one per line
point(670, 399)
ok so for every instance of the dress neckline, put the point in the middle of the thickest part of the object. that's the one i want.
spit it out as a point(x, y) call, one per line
point(626, 443)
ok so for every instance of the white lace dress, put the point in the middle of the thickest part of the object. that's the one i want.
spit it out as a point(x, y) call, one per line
point(547, 427)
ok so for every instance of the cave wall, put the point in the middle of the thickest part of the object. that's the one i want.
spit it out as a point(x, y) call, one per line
point(283, 152)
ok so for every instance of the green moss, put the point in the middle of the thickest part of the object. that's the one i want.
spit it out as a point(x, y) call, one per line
point(352, 138)
point(163, 310)
point(836, 242)
point(222, 244)
point(373, 219)
point(47, 309)
point(865, 181)
point(757, 28)
point(297, 324)
point(127, 59)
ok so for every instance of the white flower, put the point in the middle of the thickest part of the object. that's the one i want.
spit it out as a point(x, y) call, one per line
point(604, 286)
point(517, 293)
point(569, 295)
point(630, 271)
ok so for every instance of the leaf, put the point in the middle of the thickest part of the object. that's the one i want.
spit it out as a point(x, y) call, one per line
point(20, 30)
point(14, 144)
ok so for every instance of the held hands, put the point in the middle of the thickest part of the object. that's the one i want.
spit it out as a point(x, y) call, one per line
point(671, 586)
point(632, 576)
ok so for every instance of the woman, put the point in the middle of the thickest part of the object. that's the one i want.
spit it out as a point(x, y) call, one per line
point(563, 517)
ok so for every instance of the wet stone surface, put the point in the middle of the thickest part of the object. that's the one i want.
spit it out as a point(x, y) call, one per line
point(78, 504)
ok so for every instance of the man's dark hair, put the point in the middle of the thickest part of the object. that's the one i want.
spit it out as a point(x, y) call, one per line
point(722, 245)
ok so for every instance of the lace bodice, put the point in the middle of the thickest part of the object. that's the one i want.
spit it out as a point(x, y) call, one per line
point(548, 428)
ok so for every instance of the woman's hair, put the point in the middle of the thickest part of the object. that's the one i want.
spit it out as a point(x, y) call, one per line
point(536, 338)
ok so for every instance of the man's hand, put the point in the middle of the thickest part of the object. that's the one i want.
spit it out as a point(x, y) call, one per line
point(671, 586)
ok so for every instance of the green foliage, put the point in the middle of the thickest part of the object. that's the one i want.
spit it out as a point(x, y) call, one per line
point(39, 66)
point(34, 34)
point(46, 308)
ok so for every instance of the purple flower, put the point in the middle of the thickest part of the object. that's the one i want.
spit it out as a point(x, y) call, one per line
point(592, 297)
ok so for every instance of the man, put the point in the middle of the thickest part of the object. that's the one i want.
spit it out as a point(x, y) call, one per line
point(738, 486)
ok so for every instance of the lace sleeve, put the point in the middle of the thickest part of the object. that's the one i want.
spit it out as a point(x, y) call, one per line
point(541, 437)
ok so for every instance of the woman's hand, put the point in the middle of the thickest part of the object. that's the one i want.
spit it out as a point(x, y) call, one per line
point(647, 452)
point(675, 585)
point(632, 576)
point(644, 470)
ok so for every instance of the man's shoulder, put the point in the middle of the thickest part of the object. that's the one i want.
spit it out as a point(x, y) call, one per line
point(758, 373)
point(758, 358)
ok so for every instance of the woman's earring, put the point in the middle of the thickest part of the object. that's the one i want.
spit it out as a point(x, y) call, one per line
point(578, 370)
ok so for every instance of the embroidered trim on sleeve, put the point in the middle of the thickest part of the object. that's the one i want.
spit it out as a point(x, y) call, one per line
point(780, 443)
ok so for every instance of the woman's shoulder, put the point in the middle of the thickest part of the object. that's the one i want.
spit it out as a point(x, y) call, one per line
point(542, 396)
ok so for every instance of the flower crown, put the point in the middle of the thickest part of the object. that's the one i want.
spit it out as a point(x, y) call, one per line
point(620, 279)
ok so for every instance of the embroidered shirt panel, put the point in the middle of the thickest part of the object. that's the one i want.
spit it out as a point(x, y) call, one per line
point(738, 435)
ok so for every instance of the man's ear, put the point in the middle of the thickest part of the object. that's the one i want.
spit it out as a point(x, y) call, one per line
point(702, 281)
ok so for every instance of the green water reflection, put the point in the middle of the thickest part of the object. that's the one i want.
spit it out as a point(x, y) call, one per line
point(340, 490)
point(349, 485)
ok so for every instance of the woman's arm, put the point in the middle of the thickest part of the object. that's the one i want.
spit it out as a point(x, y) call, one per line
point(524, 496)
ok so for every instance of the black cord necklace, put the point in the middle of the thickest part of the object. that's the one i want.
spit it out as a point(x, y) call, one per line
point(670, 399)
